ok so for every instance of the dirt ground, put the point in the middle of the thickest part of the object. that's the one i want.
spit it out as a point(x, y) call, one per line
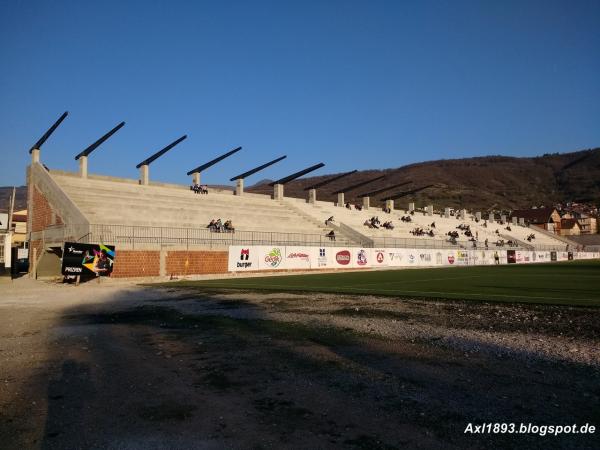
point(121, 366)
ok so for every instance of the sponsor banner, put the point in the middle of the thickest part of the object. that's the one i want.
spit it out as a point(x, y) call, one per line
point(323, 257)
point(87, 259)
point(426, 257)
point(541, 256)
point(298, 257)
point(396, 257)
point(242, 258)
point(343, 258)
point(412, 257)
point(511, 256)
point(456, 257)
point(271, 257)
point(361, 257)
point(379, 257)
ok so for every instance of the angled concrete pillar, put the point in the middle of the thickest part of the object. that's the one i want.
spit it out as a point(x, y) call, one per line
point(278, 192)
point(478, 215)
point(239, 186)
point(411, 207)
point(196, 178)
point(312, 196)
point(447, 213)
point(366, 202)
point(35, 155)
point(341, 201)
point(514, 220)
point(522, 221)
point(463, 214)
point(389, 204)
point(144, 175)
point(491, 217)
point(83, 167)
point(503, 218)
point(429, 210)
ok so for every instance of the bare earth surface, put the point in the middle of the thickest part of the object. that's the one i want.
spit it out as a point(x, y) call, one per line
point(116, 365)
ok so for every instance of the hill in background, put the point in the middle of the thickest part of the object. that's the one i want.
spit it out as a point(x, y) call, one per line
point(481, 183)
point(20, 197)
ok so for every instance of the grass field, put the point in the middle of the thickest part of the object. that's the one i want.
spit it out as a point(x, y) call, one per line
point(575, 283)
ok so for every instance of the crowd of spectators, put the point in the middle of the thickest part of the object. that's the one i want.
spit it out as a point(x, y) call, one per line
point(199, 188)
point(373, 222)
point(421, 232)
point(218, 226)
point(356, 207)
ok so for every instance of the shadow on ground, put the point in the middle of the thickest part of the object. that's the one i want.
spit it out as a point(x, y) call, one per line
point(211, 372)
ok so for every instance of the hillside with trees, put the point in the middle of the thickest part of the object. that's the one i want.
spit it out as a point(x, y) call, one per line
point(498, 182)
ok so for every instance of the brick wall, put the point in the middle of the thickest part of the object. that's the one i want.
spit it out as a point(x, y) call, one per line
point(42, 214)
point(136, 263)
point(196, 262)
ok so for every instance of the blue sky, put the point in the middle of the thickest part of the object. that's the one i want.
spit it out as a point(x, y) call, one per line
point(355, 84)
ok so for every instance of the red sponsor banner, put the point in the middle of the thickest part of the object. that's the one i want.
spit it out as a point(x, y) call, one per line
point(343, 257)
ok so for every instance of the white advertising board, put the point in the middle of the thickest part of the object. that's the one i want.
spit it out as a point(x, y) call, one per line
point(251, 258)
point(242, 258)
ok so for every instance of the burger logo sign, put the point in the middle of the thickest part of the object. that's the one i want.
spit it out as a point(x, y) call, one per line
point(343, 257)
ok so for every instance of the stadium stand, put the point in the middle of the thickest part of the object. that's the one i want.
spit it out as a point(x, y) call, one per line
point(109, 204)
point(401, 235)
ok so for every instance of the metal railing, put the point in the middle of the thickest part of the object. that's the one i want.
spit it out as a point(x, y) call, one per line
point(167, 236)
point(145, 236)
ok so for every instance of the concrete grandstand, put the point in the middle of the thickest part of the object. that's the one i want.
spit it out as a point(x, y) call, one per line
point(145, 216)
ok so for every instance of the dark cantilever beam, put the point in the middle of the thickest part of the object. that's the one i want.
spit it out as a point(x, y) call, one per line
point(404, 194)
point(379, 191)
point(159, 153)
point(214, 161)
point(297, 174)
point(48, 133)
point(257, 169)
point(355, 186)
point(329, 180)
point(99, 142)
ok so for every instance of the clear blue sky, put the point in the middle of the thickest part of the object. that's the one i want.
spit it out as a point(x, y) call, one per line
point(355, 84)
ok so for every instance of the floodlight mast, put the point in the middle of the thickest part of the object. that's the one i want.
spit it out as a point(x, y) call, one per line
point(312, 190)
point(83, 156)
point(144, 166)
point(341, 192)
point(278, 185)
point(34, 151)
point(239, 179)
point(198, 170)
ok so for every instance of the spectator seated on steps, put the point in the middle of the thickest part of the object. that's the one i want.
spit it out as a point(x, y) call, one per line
point(228, 227)
point(331, 235)
point(328, 221)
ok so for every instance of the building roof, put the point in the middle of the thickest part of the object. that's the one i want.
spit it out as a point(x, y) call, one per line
point(567, 224)
point(535, 215)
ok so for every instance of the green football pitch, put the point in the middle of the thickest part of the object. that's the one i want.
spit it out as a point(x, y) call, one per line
point(574, 283)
